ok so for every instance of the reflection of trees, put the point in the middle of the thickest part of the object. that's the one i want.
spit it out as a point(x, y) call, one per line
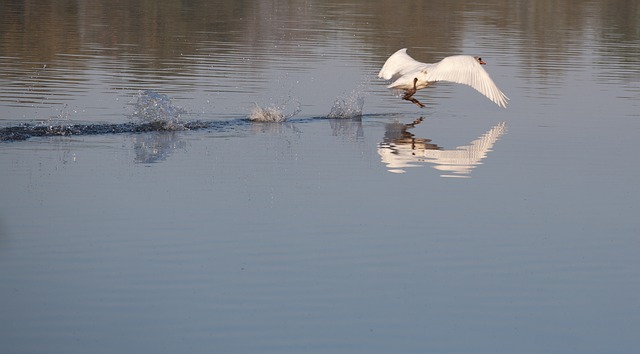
point(168, 33)
point(163, 28)
point(401, 149)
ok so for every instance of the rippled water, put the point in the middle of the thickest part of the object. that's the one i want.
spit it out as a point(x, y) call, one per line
point(231, 176)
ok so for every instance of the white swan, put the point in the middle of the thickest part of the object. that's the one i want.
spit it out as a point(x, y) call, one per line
point(411, 75)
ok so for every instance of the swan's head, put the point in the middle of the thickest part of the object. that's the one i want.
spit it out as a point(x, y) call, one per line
point(480, 60)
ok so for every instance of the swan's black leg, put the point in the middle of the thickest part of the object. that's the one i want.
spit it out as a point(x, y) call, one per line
point(410, 92)
point(414, 101)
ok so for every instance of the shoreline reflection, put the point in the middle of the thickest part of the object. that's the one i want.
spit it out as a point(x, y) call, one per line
point(400, 149)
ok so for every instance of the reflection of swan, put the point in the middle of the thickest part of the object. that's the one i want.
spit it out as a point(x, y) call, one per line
point(400, 149)
point(411, 75)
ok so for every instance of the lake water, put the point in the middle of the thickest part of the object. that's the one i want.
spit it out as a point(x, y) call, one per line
point(144, 212)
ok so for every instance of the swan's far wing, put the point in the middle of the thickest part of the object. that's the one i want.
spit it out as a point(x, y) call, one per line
point(465, 69)
point(398, 64)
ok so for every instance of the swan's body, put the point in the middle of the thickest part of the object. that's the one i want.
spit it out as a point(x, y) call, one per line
point(411, 75)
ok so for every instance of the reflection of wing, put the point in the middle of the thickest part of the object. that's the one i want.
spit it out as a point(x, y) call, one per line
point(458, 162)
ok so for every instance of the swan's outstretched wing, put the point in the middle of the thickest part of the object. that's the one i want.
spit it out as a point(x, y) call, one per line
point(398, 64)
point(465, 69)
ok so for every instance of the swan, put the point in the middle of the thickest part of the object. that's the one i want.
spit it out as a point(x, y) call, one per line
point(411, 75)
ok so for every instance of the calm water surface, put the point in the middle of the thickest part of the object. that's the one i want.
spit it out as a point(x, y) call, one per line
point(193, 229)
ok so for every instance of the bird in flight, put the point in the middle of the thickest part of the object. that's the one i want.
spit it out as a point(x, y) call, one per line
point(411, 75)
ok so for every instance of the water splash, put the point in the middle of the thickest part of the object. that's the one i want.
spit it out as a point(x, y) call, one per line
point(348, 105)
point(156, 109)
point(267, 114)
point(273, 113)
point(153, 112)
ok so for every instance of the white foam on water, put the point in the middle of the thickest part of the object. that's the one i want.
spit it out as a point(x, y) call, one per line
point(267, 114)
point(273, 113)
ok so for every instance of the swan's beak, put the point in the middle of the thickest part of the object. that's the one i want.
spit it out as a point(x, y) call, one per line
point(481, 62)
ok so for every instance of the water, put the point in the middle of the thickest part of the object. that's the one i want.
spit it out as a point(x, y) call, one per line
point(146, 210)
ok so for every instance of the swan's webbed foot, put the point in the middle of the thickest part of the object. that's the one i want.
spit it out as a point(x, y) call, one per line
point(410, 92)
point(416, 102)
